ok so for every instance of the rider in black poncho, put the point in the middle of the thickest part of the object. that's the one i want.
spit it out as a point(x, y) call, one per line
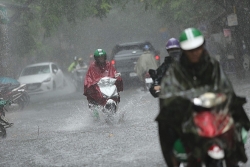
point(194, 73)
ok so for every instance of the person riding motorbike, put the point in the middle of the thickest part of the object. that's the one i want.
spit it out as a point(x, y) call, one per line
point(98, 69)
point(196, 71)
point(174, 51)
point(78, 74)
point(145, 62)
point(80, 64)
point(73, 64)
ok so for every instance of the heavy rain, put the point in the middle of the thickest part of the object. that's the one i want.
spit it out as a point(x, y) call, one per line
point(50, 49)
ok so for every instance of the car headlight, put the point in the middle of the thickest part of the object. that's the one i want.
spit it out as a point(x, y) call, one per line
point(47, 80)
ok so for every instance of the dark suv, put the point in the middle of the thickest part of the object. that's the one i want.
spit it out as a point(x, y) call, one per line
point(124, 56)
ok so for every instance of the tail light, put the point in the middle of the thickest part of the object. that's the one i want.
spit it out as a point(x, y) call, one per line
point(216, 152)
point(157, 57)
point(113, 62)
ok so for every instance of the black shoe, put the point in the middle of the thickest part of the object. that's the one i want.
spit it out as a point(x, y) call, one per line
point(9, 125)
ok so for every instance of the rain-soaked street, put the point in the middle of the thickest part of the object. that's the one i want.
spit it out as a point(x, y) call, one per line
point(58, 130)
point(42, 41)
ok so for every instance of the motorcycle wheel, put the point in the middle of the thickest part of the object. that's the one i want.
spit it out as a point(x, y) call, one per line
point(26, 98)
point(23, 101)
point(110, 110)
point(20, 104)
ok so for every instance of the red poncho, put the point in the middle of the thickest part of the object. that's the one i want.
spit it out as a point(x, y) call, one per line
point(94, 74)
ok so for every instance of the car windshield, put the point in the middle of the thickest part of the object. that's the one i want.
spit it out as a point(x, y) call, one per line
point(130, 52)
point(129, 47)
point(126, 49)
point(36, 70)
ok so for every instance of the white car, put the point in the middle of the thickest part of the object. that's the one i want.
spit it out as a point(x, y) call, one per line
point(42, 77)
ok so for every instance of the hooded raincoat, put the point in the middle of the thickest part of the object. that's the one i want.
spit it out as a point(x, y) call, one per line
point(145, 62)
point(184, 81)
point(94, 74)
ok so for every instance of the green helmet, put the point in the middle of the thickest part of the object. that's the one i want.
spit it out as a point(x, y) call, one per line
point(191, 38)
point(99, 53)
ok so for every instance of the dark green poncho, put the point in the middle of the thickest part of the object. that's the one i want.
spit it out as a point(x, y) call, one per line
point(185, 81)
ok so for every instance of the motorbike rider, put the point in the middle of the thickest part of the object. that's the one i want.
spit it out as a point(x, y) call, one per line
point(195, 71)
point(80, 64)
point(5, 120)
point(145, 62)
point(98, 69)
point(174, 51)
point(73, 64)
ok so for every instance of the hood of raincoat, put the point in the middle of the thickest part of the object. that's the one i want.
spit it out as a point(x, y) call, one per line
point(145, 62)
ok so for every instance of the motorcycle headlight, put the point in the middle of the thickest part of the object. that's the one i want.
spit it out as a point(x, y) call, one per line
point(47, 80)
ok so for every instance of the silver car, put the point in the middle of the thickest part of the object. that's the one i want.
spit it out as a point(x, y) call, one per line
point(42, 77)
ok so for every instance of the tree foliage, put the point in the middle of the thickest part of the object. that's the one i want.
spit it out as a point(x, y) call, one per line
point(192, 12)
point(186, 12)
point(35, 18)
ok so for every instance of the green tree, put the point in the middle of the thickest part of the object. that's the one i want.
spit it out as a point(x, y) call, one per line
point(35, 18)
point(185, 12)
point(213, 13)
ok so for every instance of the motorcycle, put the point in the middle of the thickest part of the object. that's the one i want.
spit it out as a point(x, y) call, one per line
point(4, 123)
point(109, 92)
point(17, 94)
point(78, 77)
point(216, 129)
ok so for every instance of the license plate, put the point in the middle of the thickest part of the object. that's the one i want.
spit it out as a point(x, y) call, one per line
point(148, 80)
point(132, 74)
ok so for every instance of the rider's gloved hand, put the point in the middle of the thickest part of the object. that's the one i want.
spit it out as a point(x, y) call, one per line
point(157, 88)
point(117, 74)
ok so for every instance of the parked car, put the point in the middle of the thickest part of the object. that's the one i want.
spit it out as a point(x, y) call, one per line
point(42, 77)
point(124, 57)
